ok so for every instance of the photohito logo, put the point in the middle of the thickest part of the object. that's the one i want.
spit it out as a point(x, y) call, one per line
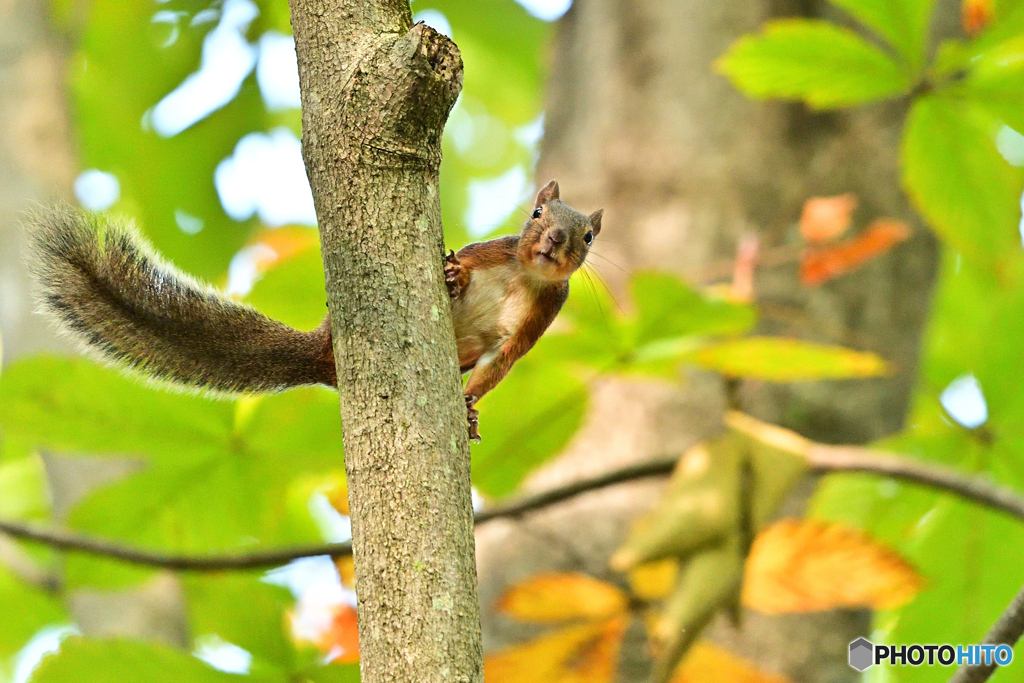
point(864, 654)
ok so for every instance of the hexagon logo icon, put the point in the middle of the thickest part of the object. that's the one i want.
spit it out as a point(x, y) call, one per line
point(862, 654)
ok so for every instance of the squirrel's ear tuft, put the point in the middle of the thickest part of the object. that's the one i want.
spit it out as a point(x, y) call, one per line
point(547, 194)
point(595, 221)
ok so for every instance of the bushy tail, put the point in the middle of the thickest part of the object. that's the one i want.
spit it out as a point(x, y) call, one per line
point(107, 288)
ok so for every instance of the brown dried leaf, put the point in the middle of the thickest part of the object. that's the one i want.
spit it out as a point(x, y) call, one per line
point(826, 218)
point(552, 598)
point(806, 566)
point(707, 663)
point(579, 654)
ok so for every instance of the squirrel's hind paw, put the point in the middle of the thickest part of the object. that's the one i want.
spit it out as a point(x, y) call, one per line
point(473, 418)
point(455, 275)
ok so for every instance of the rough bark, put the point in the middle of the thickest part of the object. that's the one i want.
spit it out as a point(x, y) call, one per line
point(376, 93)
point(639, 122)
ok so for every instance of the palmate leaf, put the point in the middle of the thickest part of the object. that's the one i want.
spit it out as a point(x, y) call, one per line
point(218, 472)
point(958, 180)
point(815, 61)
point(116, 661)
point(903, 23)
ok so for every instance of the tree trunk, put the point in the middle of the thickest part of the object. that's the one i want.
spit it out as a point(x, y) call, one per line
point(376, 93)
point(639, 122)
point(37, 164)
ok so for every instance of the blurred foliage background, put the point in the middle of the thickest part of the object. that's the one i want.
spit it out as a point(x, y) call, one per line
point(184, 117)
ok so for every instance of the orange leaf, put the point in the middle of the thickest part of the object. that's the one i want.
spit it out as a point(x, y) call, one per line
point(821, 265)
point(579, 654)
point(826, 218)
point(340, 640)
point(807, 566)
point(707, 663)
point(975, 15)
point(551, 598)
point(280, 244)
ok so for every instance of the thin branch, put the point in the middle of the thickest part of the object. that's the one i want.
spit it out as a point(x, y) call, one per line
point(1007, 631)
point(68, 540)
point(820, 458)
point(824, 458)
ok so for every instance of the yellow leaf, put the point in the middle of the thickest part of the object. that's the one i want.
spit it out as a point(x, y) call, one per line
point(346, 570)
point(806, 566)
point(776, 359)
point(551, 598)
point(707, 663)
point(579, 654)
point(654, 580)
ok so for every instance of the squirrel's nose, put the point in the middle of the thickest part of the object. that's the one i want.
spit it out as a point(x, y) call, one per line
point(557, 236)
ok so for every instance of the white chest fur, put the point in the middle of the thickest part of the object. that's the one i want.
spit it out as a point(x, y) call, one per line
point(492, 308)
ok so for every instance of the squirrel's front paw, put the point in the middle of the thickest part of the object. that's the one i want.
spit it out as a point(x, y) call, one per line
point(473, 418)
point(454, 275)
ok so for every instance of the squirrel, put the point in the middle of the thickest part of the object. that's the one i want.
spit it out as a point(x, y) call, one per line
point(106, 287)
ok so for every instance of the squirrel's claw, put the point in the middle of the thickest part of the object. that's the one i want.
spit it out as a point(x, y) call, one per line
point(453, 275)
point(473, 418)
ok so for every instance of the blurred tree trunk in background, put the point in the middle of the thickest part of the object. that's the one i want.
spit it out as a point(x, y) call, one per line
point(37, 167)
point(37, 164)
point(639, 122)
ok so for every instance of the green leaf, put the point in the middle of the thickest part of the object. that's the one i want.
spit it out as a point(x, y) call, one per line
point(331, 673)
point(502, 48)
point(965, 551)
point(958, 180)
point(787, 360)
point(26, 610)
point(996, 80)
point(23, 491)
point(230, 500)
point(117, 661)
point(668, 308)
point(815, 61)
point(294, 291)
point(124, 64)
point(904, 23)
point(244, 611)
point(74, 405)
point(525, 421)
point(219, 471)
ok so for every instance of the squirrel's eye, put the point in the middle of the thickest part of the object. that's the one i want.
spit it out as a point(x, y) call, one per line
point(537, 212)
point(589, 237)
